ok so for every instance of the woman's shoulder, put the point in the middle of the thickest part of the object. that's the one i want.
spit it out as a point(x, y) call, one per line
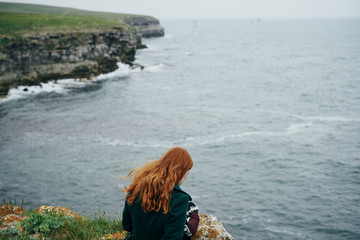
point(178, 192)
point(179, 201)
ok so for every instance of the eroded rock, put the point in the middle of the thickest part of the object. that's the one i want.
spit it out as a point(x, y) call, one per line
point(11, 209)
point(10, 221)
point(115, 236)
point(211, 228)
point(146, 25)
point(59, 210)
point(32, 59)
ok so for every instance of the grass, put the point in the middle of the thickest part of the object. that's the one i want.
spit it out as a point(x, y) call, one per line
point(17, 19)
point(17, 24)
point(51, 225)
point(34, 8)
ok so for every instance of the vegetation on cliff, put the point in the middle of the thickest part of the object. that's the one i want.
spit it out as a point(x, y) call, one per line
point(13, 24)
point(54, 223)
point(19, 19)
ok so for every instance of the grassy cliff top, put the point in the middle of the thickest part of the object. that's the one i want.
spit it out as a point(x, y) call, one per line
point(17, 19)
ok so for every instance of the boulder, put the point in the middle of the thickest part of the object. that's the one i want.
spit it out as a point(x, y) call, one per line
point(211, 228)
point(11, 209)
point(115, 236)
point(59, 210)
point(10, 221)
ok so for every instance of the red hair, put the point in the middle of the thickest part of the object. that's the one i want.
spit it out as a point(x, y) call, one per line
point(154, 182)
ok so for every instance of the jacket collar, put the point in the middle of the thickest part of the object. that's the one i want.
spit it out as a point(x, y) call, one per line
point(177, 188)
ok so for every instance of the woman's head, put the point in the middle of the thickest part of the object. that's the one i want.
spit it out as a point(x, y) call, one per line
point(177, 162)
point(154, 182)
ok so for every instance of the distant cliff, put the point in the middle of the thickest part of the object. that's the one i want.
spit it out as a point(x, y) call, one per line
point(148, 26)
point(69, 43)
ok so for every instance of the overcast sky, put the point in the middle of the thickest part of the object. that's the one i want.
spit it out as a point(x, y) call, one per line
point(197, 9)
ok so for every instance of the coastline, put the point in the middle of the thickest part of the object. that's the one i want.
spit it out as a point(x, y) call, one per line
point(29, 57)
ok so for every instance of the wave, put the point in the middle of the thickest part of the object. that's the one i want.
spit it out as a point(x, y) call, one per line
point(142, 143)
point(311, 118)
point(201, 140)
point(293, 128)
point(63, 86)
point(123, 70)
point(287, 232)
point(154, 68)
point(25, 91)
point(332, 119)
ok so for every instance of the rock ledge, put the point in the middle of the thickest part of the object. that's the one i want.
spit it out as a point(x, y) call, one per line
point(210, 228)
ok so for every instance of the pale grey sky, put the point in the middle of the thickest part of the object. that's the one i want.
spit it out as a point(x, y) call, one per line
point(197, 9)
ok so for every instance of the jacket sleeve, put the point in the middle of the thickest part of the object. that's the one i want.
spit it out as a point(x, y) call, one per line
point(174, 227)
point(193, 223)
point(126, 218)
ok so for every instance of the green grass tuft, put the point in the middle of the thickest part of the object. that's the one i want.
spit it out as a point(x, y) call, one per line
point(52, 225)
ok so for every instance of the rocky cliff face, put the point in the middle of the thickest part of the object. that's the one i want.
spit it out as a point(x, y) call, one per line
point(32, 59)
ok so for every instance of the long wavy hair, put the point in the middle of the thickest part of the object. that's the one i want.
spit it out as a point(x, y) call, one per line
point(154, 182)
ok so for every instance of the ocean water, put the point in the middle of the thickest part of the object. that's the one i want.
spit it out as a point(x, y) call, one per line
point(269, 111)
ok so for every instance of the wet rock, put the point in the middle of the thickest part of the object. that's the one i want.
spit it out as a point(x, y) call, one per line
point(210, 228)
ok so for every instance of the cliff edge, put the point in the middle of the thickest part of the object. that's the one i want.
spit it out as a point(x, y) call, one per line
point(12, 216)
point(40, 43)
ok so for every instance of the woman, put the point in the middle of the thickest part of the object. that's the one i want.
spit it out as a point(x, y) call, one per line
point(155, 205)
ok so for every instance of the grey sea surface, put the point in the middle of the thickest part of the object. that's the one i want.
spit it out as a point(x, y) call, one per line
point(268, 110)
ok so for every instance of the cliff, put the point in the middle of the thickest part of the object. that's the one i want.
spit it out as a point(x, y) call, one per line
point(148, 26)
point(63, 43)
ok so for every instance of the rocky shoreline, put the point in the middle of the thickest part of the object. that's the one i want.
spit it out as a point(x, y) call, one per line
point(35, 58)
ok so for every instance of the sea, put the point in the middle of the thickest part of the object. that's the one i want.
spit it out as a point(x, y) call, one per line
point(269, 110)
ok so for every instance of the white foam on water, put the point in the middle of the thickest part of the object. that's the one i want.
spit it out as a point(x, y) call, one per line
point(332, 119)
point(168, 36)
point(64, 85)
point(141, 143)
point(293, 128)
point(25, 91)
point(287, 232)
point(60, 86)
point(154, 68)
point(122, 71)
point(150, 47)
point(202, 140)
point(310, 118)
point(297, 127)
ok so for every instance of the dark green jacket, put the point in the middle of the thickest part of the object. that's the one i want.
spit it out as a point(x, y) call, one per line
point(157, 225)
